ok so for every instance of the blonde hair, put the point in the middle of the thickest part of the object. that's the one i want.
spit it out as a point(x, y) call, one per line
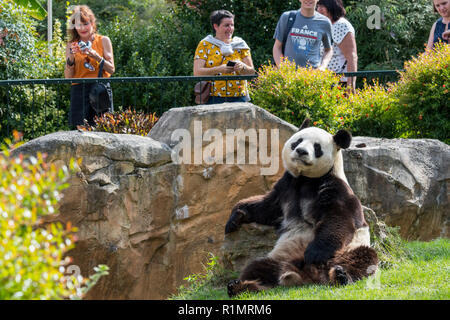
point(80, 14)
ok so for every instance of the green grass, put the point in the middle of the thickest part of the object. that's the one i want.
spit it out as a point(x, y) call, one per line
point(424, 273)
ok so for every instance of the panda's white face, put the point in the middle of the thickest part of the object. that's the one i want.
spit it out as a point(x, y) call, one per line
point(310, 152)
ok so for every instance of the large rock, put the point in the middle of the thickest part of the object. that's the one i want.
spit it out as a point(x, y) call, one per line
point(123, 202)
point(153, 221)
point(405, 181)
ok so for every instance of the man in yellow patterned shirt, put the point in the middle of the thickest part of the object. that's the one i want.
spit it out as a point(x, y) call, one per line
point(224, 54)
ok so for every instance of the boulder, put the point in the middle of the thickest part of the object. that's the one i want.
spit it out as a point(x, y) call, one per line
point(405, 181)
point(122, 201)
point(154, 221)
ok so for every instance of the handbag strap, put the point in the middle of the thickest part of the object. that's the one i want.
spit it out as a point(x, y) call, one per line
point(290, 23)
point(100, 71)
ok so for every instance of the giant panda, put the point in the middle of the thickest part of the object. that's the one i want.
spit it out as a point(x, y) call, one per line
point(323, 236)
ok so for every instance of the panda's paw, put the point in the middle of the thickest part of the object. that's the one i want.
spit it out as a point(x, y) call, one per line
point(340, 276)
point(290, 279)
point(235, 220)
point(234, 288)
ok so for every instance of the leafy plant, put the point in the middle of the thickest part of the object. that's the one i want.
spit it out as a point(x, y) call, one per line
point(371, 111)
point(423, 93)
point(204, 285)
point(128, 122)
point(293, 94)
point(395, 40)
point(32, 251)
point(34, 8)
point(414, 107)
point(35, 109)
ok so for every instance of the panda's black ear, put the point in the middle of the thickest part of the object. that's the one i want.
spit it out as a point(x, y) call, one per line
point(343, 138)
point(305, 124)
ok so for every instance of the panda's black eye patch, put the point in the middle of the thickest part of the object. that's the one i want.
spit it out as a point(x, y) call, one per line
point(296, 143)
point(318, 150)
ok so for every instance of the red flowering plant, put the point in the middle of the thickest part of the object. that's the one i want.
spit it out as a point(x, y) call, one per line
point(371, 111)
point(415, 107)
point(423, 93)
point(293, 94)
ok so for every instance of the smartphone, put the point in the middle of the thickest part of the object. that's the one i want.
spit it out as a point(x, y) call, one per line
point(231, 64)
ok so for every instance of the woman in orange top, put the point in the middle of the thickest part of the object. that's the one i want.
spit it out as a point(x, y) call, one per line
point(84, 62)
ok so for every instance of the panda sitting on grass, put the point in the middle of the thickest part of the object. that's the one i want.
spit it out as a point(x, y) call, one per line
point(323, 236)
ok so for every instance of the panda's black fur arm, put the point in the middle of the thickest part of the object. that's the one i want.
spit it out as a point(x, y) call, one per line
point(264, 209)
point(337, 214)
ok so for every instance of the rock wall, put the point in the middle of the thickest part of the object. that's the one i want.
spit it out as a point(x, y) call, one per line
point(153, 219)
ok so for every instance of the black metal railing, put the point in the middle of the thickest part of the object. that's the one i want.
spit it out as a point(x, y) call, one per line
point(40, 106)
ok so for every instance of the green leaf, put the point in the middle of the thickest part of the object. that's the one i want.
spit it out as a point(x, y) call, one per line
point(35, 9)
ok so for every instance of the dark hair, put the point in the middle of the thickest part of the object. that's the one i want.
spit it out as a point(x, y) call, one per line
point(334, 7)
point(217, 16)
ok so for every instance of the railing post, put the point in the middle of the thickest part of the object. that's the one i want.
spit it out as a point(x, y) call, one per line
point(32, 108)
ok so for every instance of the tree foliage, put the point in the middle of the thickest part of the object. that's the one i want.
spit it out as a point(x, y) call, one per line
point(403, 32)
point(34, 110)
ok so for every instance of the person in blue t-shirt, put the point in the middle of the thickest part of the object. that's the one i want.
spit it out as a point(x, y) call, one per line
point(308, 31)
point(440, 31)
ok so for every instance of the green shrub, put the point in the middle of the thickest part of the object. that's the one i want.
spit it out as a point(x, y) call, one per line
point(423, 93)
point(415, 107)
point(371, 111)
point(128, 122)
point(32, 252)
point(164, 47)
point(255, 21)
point(296, 93)
point(34, 110)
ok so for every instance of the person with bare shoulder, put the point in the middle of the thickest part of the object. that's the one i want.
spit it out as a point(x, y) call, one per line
point(86, 53)
point(440, 30)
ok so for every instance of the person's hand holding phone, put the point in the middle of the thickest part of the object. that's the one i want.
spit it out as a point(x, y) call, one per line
point(74, 48)
point(226, 68)
point(446, 35)
point(238, 66)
